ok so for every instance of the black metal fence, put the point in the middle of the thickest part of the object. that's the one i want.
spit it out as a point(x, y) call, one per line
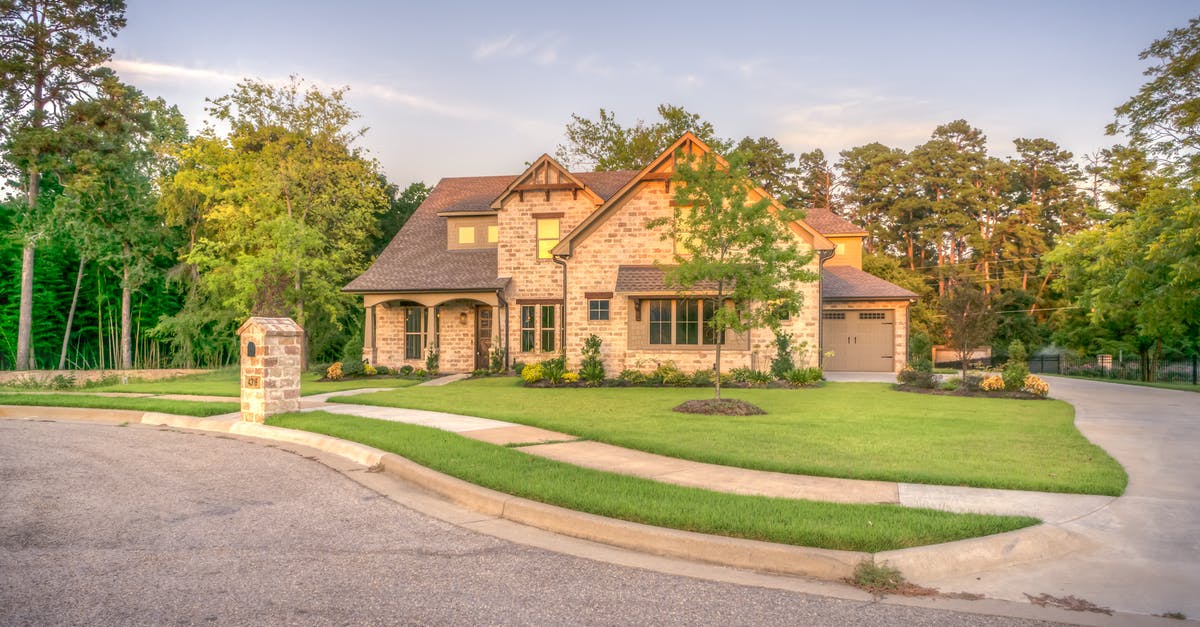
point(1174, 371)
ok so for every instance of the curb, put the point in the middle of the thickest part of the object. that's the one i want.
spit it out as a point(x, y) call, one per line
point(918, 564)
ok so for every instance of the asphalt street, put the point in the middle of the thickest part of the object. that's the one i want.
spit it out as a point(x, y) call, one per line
point(107, 524)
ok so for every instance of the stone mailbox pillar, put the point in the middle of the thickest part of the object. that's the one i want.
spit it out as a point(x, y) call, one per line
point(270, 350)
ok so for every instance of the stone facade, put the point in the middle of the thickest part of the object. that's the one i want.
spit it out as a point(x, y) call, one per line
point(270, 367)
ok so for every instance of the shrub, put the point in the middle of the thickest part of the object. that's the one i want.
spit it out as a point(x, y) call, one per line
point(973, 382)
point(951, 384)
point(782, 364)
point(748, 375)
point(479, 372)
point(1017, 368)
point(369, 370)
point(496, 360)
point(803, 376)
point(922, 364)
point(554, 369)
point(353, 368)
point(915, 378)
point(383, 370)
point(592, 367)
point(518, 366)
point(334, 372)
point(677, 378)
point(60, 382)
point(532, 373)
point(702, 378)
point(570, 377)
point(666, 370)
point(431, 361)
point(406, 370)
point(1036, 386)
point(420, 372)
point(632, 377)
point(993, 383)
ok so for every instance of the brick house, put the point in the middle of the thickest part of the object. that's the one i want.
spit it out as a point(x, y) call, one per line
point(534, 263)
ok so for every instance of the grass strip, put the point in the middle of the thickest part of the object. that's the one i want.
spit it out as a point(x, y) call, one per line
point(848, 527)
point(846, 430)
point(165, 406)
point(226, 382)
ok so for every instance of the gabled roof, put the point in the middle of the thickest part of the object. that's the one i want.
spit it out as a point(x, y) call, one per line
point(826, 222)
point(690, 144)
point(545, 175)
point(850, 283)
point(417, 259)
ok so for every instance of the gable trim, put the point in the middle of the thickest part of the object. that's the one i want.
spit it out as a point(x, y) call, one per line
point(520, 186)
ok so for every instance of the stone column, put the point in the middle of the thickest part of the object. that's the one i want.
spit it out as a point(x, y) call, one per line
point(270, 364)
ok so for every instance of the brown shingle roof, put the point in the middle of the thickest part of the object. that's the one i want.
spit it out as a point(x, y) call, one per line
point(417, 258)
point(827, 222)
point(850, 283)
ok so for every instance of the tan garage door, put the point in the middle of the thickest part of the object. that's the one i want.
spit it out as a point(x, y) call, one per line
point(861, 341)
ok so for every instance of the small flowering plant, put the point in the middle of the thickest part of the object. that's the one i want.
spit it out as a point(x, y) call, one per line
point(1036, 386)
point(993, 383)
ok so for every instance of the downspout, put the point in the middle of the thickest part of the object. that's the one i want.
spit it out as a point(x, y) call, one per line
point(822, 257)
point(562, 337)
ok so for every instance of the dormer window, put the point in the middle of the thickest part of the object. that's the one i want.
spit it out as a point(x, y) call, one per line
point(471, 232)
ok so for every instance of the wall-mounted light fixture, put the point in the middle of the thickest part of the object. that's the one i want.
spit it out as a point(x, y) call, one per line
point(462, 318)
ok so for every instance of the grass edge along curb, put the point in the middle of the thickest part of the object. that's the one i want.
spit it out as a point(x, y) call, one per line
point(849, 527)
point(158, 405)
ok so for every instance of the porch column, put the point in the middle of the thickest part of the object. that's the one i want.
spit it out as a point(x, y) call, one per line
point(371, 321)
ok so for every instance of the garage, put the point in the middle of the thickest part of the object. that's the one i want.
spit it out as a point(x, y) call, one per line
point(859, 340)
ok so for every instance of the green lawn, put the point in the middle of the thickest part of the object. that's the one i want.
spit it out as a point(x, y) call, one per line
point(807, 523)
point(182, 408)
point(225, 383)
point(852, 430)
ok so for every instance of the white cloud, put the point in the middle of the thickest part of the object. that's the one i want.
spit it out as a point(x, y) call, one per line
point(841, 124)
point(540, 49)
point(161, 72)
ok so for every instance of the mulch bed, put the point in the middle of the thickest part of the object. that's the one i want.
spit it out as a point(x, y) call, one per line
point(722, 407)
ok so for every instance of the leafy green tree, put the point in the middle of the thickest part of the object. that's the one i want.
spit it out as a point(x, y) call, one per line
point(604, 144)
point(401, 206)
point(876, 196)
point(110, 159)
point(1164, 116)
point(817, 180)
point(772, 168)
point(51, 56)
point(282, 212)
point(741, 246)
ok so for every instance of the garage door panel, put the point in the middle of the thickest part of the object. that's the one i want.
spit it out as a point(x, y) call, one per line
point(859, 340)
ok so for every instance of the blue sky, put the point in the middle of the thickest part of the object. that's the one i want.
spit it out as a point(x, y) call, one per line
point(460, 89)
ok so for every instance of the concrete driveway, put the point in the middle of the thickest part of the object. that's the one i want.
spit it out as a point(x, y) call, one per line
point(102, 524)
point(1146, 554)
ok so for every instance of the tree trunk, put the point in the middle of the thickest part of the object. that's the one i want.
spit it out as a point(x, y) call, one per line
point(25, 317)
point(126, 314)
point(62, 355)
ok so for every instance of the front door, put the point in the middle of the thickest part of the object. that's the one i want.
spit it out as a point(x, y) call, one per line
point(483, 336)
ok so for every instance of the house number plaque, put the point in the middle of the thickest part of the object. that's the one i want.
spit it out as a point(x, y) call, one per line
point(253, 381)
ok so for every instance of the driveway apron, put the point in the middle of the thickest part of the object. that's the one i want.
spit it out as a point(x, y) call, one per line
point(1146, 552)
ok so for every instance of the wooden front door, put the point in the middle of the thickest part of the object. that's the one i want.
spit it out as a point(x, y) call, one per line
point(483, 336)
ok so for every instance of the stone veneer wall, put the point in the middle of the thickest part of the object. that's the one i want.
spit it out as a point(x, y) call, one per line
point(900, 346)
point(623, 239)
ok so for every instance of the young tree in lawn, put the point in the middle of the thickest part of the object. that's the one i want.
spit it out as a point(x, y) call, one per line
point(970, 320)
point(740, 245)
point(51, 57)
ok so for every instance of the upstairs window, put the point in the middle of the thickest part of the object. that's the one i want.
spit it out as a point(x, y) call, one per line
point(466, 235)
point(547, 236)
